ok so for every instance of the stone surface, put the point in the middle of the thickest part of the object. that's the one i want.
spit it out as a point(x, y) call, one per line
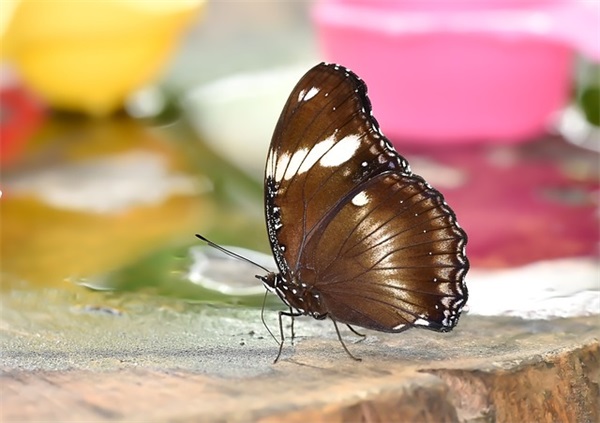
point(102, 358)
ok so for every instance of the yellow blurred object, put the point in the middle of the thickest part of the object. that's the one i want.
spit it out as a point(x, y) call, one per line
point(149, 201)
point(89, 55)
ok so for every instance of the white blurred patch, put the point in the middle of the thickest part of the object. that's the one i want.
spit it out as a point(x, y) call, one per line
point(574, 127)
point(542, 290)
point(226, 116)
point(145, 102)
point(219, 272)
point(108, 184)
point(438, 174)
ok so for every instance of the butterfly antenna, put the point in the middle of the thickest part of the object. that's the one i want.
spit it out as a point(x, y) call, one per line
point(231, 253)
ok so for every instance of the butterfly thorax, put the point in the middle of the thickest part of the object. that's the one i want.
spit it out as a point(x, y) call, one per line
point(296, 294)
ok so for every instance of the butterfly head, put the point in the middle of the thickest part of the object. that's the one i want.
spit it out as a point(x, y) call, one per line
point(295, 294)
point(277, 284)
point(270, 281)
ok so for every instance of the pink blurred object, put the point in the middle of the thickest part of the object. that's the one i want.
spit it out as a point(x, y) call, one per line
point(469, 71)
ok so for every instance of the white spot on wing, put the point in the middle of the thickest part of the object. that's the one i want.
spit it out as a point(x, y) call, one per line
point(327, 152)
point(421, 322)
point(360, 199)
point(295, 162)
point(341, 152)
point(311, 93)
point(400, 326)
point(281, 165)
point(316, 153)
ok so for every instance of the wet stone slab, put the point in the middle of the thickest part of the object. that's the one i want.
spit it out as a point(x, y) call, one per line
point(94, 356)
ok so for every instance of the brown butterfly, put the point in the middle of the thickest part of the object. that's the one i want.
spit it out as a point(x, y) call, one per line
point(357, 237)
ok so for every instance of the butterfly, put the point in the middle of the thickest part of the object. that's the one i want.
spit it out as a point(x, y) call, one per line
point(356, 236)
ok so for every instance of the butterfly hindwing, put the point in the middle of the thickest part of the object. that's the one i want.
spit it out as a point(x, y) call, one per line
point(393, 254)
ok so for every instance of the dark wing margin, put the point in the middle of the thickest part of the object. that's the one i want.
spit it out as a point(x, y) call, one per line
point(391, 257)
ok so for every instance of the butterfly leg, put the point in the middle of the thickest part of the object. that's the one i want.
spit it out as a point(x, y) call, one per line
point(292, 327)
point(342, 341)
point(362, 335)
point(281, 341)
point(289, 314)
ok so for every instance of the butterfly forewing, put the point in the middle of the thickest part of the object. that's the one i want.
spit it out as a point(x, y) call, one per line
point(325, 143)
point(348, 221)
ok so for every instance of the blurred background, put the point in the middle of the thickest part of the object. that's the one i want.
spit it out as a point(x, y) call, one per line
point(127, 126)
